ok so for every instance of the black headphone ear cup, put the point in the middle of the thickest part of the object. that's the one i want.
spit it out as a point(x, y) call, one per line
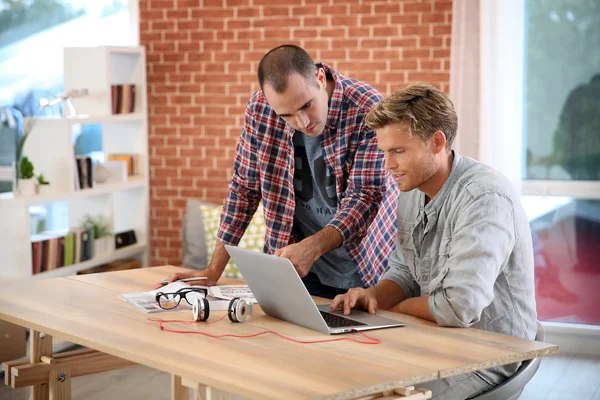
point(200, 310)
point(231, 309)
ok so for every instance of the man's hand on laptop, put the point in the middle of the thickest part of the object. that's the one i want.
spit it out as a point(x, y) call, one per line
point(211, 276)
point(359, 298)
point(301, 254)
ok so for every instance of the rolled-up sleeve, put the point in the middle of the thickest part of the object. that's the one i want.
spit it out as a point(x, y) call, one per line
point(398, 272)
point(483, 238)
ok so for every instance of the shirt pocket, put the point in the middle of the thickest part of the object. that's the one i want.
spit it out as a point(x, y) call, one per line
point(444, 253)
point(406, 251)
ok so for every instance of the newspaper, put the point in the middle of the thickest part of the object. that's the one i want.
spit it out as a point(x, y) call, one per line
point(218, 297)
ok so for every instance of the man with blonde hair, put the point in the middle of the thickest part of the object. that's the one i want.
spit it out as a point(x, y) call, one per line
point(464, 255)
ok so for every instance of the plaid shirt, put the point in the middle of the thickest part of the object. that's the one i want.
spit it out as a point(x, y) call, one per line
point(264, 170)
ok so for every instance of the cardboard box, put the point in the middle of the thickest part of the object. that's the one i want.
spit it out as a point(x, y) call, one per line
point(12, 341)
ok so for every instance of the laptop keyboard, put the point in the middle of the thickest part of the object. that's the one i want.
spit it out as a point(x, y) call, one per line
point(337, 321)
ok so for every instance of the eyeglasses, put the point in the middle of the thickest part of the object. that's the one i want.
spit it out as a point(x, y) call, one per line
point(169, 301)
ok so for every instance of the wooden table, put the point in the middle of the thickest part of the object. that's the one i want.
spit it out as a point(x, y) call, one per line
point(87, 310)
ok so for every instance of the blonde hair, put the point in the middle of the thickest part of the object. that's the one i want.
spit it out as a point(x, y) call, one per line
point(422, 108)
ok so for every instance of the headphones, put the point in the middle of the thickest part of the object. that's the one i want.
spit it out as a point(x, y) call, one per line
point(238, 309)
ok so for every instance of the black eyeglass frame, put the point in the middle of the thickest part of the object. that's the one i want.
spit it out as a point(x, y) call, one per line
point(181, 294)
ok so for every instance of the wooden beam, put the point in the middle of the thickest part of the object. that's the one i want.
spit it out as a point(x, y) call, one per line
point(39, 345)
point(60, 384)
point(80, 365)
point(178, 391)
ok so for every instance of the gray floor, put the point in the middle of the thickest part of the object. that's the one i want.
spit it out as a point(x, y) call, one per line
point(559, 377)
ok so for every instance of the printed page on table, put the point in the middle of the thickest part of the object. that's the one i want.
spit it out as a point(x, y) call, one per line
point(146, 301)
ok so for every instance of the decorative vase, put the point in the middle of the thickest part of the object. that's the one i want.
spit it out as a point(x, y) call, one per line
point(27, 187)
point(104, 245)
point(44, 189)
point(101, 173)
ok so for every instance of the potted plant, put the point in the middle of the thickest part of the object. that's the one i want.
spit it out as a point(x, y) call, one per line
point(100, 226)
point(43, 185)
point(27, 183)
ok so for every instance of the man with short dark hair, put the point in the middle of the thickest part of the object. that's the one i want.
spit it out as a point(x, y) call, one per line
point(307, 154)
point(464, 256)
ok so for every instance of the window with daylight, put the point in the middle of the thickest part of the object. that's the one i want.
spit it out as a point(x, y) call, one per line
point(32, 36)
point(561, 142)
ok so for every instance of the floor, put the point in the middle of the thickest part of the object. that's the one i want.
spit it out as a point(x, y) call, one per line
point(559, 377)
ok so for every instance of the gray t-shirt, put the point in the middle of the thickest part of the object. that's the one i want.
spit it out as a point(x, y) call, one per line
point(316, 205)
point(470, 250)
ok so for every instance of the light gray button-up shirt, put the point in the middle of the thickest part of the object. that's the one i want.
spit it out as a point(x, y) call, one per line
point(470, 250)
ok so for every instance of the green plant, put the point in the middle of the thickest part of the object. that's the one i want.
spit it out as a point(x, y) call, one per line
point(42, 180)
point(27, 128)
point(25, 169)
point(98, 224)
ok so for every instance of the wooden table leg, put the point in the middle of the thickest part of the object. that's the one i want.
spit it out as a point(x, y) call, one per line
point(39, 345)
point(178, 391)
point(60, 384)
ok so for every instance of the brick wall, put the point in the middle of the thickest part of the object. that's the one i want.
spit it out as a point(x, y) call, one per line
point(202, 57)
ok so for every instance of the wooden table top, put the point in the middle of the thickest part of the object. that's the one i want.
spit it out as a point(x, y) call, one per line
point(87, 310)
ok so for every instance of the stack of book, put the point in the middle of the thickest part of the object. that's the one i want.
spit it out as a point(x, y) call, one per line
point(132, 161)
point(122, 98)
point(54, 249)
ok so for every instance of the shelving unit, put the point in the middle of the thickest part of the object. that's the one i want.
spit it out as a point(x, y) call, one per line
point(50, 147)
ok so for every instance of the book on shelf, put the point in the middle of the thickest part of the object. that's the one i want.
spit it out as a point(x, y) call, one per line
point(84, 178)
point(133, 162)
point(122, 98)
point(55, 249)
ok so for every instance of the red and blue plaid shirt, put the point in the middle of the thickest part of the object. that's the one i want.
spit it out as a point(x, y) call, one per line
point(264, 170)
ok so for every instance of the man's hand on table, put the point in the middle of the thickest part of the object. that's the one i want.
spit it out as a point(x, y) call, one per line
point(209, 273)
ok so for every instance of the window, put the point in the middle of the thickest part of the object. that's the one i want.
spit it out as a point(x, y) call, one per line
point(32, 36)
point(561, 137)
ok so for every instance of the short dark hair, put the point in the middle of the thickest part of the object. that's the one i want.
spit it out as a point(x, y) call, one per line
point(281, 62)
point(423, 108)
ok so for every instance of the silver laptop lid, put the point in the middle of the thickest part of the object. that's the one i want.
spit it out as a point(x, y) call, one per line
point(278, 288)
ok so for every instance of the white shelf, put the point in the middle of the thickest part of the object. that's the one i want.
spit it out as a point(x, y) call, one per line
point(98, 190)
point(124, 252)
point(50, 147)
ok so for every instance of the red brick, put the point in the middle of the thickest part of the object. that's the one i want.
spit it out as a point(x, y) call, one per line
point(431, 42)
point(162, 4)
point(361, 9)
point(441, 53)
point(405, 19)
point(238, 24)
point(299, 33)
point(442, 30)
point(374, 43)
point(404, 42)
point(428, 76)
point(189, 3)
point(281, 34)
point(317, 21)
point(413, 6)
point(415, 30)
point(177, 14)
point(337, 9)
point(435, 17)
point(247, 12)
point(373, 20)
point(333, 32)
point(225, 35)
point(385, 31)
point(204, 13)
point(176, 36)
point(274, 11)
point(304, 10)
point(383, 9)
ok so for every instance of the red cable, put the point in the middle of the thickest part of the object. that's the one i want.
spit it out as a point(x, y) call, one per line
point(162, 328)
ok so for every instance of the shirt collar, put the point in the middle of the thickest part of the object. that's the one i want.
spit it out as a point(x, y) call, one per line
point(439, 198)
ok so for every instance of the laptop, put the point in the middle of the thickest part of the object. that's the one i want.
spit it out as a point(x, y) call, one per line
point(281, 294)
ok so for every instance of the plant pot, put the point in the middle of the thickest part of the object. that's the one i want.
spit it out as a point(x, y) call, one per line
point(104, 245)
point(44, 189)
point(27, 187)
